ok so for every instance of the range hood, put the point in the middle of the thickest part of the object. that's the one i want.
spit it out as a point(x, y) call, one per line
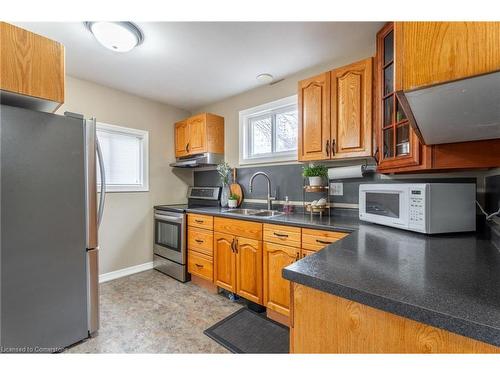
point(457, 111)
point(206, 159)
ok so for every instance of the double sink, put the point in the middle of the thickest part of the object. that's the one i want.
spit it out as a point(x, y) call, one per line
point(253, 212)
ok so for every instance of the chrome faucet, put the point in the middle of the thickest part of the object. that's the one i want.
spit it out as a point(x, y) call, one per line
point(269, 198)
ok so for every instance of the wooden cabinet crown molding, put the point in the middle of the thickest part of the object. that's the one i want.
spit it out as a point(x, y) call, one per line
point(31, 66)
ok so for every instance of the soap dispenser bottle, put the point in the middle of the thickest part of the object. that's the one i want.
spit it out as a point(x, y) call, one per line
point(287, 206)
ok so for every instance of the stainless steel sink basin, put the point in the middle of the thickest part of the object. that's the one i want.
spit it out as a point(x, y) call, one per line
point(267, 213)
point(251, 212)
point(241, 211)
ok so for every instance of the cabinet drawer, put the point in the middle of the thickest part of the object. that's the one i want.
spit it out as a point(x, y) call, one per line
point(313, 239)
point(201, 221)
point(200, 265)
point(283, 235)
point(240, 228)
point(201, 240)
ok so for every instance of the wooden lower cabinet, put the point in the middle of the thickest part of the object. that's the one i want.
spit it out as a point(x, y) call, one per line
point(249, 269)
point(200, 265)
point(314, 239)
point(276, 288)
point(324, 323)
point(224, 261)
point(238, 265)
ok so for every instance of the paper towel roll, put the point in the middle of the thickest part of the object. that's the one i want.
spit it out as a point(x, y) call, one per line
point(338, 173)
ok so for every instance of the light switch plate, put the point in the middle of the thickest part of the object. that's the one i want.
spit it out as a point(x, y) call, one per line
point(336, 188)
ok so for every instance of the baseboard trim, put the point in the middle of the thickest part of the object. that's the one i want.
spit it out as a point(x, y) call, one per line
point(125, 272)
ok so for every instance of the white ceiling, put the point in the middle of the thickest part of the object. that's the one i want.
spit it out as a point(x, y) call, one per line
point(190, 64)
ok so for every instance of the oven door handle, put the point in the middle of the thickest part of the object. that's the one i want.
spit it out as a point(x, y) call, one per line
point(169, 218)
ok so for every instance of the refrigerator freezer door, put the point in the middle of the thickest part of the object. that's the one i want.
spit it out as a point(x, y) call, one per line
point(43, 243)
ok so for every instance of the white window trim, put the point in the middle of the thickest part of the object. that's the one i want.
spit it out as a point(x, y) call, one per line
point(244, 159)
point(144, 134)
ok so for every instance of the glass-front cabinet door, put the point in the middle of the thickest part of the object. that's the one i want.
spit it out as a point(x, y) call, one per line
point(398, 146)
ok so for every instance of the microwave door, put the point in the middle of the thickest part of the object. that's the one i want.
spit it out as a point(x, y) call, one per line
point(387, 207)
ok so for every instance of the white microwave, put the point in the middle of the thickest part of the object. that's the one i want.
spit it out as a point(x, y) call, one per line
point(424, 208)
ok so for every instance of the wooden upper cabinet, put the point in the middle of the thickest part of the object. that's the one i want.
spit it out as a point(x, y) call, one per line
point(398, 148)
point(351, 110)
point(428, 53)
point(31, 66)
point(181, 138)
point(249, 269)
point(416, 54)
point(314, 118)
point(224, 261)
point(198, 134)
point(197, 142)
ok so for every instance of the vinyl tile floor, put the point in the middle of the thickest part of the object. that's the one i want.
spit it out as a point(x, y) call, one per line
point(149, 312)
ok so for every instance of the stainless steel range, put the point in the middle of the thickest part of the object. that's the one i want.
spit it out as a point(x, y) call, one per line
point(169, 248)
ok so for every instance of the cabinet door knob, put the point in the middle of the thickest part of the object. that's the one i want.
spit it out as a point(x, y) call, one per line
point(297, 257)
point(332, 147)
point(198, 265)
point(199, 241)
point(327, 147)
point(199, 221)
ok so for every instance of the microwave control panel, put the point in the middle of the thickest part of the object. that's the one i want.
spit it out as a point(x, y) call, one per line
point(417, 207)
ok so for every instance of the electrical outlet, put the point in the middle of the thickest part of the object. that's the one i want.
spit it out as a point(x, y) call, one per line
point(336, 188)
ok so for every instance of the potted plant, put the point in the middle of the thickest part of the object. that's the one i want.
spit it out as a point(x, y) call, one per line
point(315, 173)
point(224, 171)
point(233, 200)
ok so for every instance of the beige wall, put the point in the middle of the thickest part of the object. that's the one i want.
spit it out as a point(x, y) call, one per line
point(229, 108)
point(126, 234)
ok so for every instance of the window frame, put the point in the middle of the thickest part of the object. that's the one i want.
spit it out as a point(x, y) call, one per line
point(143, 135)
point(245, 138)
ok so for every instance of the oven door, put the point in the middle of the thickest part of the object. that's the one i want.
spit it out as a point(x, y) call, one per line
point(385, 204)
point(170, 236)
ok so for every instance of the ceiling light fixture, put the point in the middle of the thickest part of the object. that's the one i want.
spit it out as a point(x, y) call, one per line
point(265, 78)
point(116, 36)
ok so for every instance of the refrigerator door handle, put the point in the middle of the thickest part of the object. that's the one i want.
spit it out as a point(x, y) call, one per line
point(91, 182)
point(102, 198)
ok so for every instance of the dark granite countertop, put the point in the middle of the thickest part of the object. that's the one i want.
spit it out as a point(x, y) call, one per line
point(337, 222)
point(447, 281)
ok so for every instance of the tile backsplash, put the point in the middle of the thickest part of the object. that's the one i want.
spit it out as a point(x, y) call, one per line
point(288, 181)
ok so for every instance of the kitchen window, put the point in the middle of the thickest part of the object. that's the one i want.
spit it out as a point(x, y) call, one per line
point(125, 152)
point(268, 133)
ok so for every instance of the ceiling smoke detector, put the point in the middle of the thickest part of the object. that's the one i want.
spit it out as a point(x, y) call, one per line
point(116, 36)
point(265, 78)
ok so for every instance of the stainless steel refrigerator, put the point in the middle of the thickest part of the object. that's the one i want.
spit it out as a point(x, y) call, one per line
point(49, 223)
